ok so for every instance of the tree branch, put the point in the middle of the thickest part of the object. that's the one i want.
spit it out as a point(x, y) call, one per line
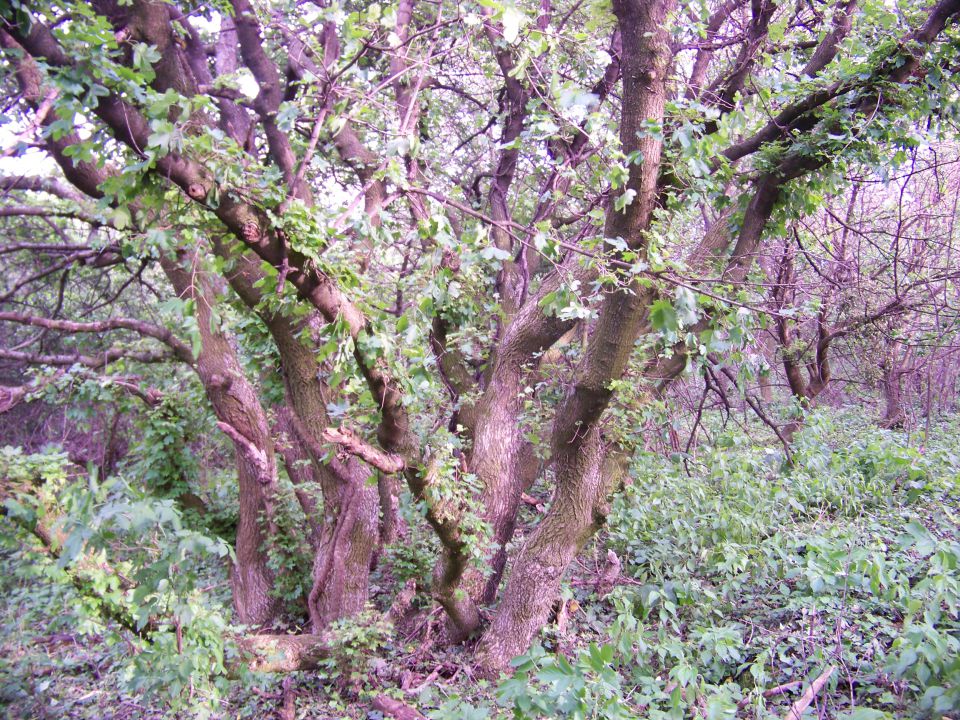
point(180, 348)
point(108, 356)
point(353, 444)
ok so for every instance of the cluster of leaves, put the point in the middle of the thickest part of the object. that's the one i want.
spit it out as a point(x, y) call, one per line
point(290, 554)
point(358, 641)
point(128, 569)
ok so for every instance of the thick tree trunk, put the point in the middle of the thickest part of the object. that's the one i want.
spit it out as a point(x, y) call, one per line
point(242, 418)
point(341, 568)
point(500, 457)
point(233, 399)
point(251, 578)
point(504, 462)
point(578, 510)
point(349, 530)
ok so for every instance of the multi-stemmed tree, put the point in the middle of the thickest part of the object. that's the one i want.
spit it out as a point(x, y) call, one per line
point(461, 230)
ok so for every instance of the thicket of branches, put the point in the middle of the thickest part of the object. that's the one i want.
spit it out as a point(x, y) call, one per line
point(430, 255)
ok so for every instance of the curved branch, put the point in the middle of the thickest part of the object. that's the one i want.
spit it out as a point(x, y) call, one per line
point(353, 444)
point(180, 348)
point(92, 361)
point(34, 183)
point(38, 211)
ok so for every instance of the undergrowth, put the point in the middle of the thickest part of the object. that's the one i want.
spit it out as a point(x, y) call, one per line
point(744, 578)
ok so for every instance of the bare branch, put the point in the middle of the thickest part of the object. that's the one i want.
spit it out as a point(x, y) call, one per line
point(103, 359)
point(34, 183)
point(353, 444)
point(180, 348)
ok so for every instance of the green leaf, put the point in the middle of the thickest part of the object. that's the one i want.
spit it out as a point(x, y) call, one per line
point(625, 199)
point(663, 317)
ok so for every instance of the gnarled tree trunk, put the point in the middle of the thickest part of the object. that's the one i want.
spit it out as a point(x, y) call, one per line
point(586, 474)
point(893, 415)
point(242, 418)
point(579, 500)
point(348, 533)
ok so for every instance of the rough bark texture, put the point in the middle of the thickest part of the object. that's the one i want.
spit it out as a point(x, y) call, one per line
point(578, 510)
point(284, 653)
point(892, 382)
point(504, 461)
point(501, 457)
point(578, 506)
point(893, 411)
point(349, 532)
point(242, 418)
point(234, 400)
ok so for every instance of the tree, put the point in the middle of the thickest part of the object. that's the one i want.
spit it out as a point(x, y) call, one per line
point(462, 231)
point(872, 271)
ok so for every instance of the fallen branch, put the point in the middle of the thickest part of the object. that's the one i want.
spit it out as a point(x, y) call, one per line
point(429, 679)
point(809, 694)
point(284, 653)
point(773, 692)
point(395, 709)
point(51, 543)
point(532, 501)
point(608, 575)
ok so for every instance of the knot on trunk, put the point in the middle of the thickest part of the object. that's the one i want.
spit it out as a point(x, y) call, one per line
point(197, 191)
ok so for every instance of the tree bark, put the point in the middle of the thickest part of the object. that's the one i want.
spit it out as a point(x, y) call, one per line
point(585, 477)
point(242, 418)
point(893, 415)
point(579, 502)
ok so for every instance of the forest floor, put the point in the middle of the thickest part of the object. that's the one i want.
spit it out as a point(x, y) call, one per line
point(725, 585)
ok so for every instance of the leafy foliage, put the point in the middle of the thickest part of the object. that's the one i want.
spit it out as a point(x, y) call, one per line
point(749, 573)
point(127, 557)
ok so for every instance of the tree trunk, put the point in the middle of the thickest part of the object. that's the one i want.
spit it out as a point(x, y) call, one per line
point(392, 526)
point(243, 419)
point(501, 458)
point(341, 567)
point(505, 463)
point(893, 415)
point(578, 510)
point(300, 470)
point(349, 530)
